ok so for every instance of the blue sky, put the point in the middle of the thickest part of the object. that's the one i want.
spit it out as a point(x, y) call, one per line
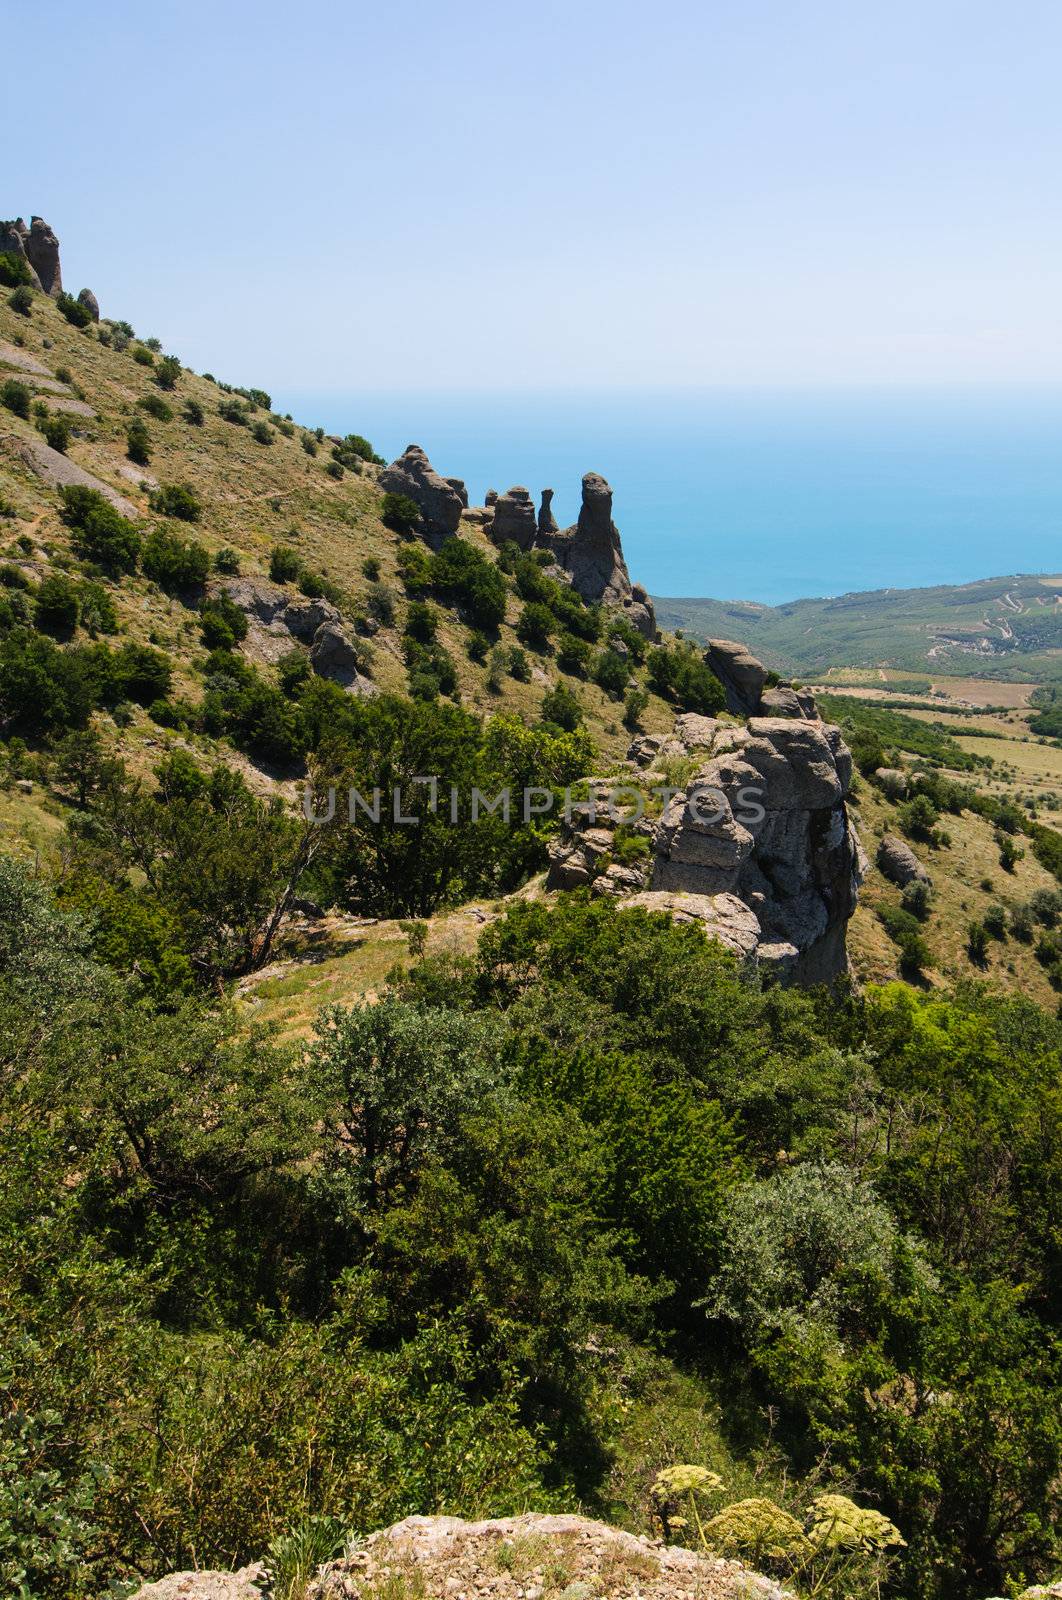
point(580, 196)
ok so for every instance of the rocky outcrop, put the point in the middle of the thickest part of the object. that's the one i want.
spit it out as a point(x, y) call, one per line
point(898, 862)
point(57, 470)
point(90, 303)
point(438, 501)
point(42, 253)
point(765, 819)
point(448, 1556)
point(547, 522)
point(13, 236)
point(514, 518)
point(591, 553)
point(250, 1583)
point(742, 676)
point(506, 1558)
point(757, 846)
point(334, 655)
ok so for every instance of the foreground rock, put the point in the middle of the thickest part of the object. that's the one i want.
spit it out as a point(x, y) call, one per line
point(508, 1558)
point(438, 500)
point(247, 1584)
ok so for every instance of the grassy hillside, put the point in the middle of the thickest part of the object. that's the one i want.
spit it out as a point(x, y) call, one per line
point(1008, 628)
point(258, 488)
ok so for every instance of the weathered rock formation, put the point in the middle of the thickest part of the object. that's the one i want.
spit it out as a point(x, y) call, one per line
point(334, 655)
point(276, 622)
point(38, 246)
point(591, 553)
point(436, 498)
point(757, 846)
point(90, 303)
point(898, 862)
point(514, 518)
point(547, 522)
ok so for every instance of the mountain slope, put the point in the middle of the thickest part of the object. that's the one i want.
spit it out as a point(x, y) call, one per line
point(1009, 628)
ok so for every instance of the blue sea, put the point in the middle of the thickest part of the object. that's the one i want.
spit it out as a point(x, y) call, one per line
point(760, 496)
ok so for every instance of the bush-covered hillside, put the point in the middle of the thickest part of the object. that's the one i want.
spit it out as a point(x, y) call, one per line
point(535, 1225)
point(543, 1211)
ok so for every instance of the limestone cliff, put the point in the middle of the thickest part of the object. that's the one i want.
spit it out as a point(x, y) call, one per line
point(757, 846)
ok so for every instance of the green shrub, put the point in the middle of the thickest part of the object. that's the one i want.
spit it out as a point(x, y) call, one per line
point(75, 313)
point(57, 431)
point(534, 626)
point(177, 500)
point(633, 707)
point(138, 442)
point(334, 469)
point(610, 672)
point(222, 623)
point(573, 654)
point(370, 568)
point(99, 533)
point(232, 411)
point(680, 675)
point(519, 666)
point(380, 603)
point(167, 372)
point(97, 608)
point(285, 564)
point(56, 609)
point(477, 646)
point(353, 450)
point(309, 444)
point(399, 513)
point(415, 567)
point(562, 708)
point(262, 433)
point(422, 622)
point(227, 561)
point(143, 356)
point(15, 270)
point(21, 300)
point(16, 397)
point(156, 406)
point(175, 564)
point(916, 899)
point(977, 943)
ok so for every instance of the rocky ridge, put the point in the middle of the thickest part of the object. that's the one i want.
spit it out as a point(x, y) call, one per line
point(756, 844)
point(588, 555)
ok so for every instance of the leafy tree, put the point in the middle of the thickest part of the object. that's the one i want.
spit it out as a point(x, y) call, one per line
point(16, 397)
point(177, 500)
point(56, 609)
point(167, 372)
point(138, 442)
point(175, 564)
point(99, 533)
point(75, 313)
point(285, 564)
point(399, 513)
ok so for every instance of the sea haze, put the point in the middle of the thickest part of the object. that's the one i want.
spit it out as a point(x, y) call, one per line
point(757, 495)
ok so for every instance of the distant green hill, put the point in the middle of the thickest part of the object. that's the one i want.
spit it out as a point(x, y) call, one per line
point(1008, 627)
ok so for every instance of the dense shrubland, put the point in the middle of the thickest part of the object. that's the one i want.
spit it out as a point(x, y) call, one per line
point(536, 1225)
